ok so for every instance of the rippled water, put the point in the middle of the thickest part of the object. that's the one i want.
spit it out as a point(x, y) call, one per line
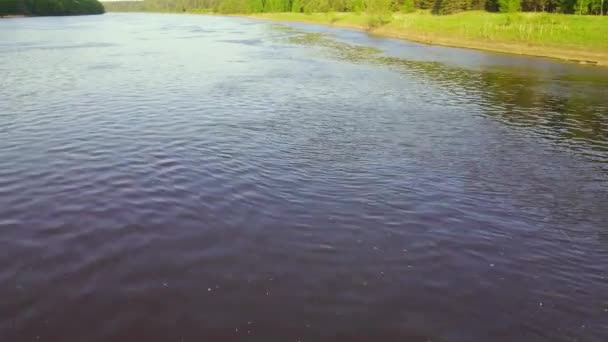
point(192, 178)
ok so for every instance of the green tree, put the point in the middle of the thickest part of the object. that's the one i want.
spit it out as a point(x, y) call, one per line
point(450, 6)
point(509, 6)
point(8, 7)
point(408, 6)
point(64, 7)
point(296, 6)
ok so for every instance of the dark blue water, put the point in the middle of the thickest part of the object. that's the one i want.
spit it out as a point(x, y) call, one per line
point(193, 178)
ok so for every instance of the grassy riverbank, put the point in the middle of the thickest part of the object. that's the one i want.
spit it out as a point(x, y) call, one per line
point(570, 37)
point(576, 38)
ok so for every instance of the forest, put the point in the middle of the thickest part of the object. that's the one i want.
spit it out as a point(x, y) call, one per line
point(584, 7)
point(50, 7)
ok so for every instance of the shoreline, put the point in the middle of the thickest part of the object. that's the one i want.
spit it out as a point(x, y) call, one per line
point(511, 48)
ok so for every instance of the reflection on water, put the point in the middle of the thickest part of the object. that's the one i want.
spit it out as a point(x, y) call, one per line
point(570, 110)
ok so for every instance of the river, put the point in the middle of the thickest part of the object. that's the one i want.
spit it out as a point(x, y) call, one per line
point(203, 178)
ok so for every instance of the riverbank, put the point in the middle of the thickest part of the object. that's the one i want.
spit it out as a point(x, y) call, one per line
point(581, 39)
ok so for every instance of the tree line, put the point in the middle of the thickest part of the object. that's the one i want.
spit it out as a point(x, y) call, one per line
point(595, 7)
point(50, 7)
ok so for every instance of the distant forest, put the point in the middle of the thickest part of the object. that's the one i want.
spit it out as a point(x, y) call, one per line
point(50, 7)
point(593, 7)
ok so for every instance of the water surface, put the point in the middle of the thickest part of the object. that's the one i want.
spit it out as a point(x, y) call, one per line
point(193, 178)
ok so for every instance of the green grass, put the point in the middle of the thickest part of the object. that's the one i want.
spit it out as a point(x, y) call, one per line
point(582, 38)
point(535, 28)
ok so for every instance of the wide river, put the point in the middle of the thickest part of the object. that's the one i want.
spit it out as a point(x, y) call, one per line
point(195, 178)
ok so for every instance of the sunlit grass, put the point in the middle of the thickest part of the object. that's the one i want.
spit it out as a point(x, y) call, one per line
point(555, 35)
point(538, 28)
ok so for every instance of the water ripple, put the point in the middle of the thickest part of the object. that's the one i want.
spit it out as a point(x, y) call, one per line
point(322, 188)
